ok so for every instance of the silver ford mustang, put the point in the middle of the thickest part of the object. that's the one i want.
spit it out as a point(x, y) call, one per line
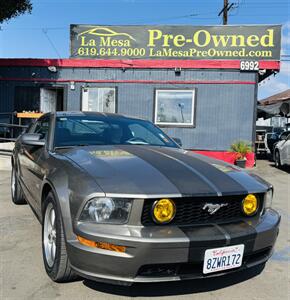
point(119, 201)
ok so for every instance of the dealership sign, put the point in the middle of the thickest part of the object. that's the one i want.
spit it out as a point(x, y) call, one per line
point(261, 42)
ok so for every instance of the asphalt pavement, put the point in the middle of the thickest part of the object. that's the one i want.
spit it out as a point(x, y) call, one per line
point(22, 275)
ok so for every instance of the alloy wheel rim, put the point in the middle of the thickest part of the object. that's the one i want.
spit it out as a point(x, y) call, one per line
point(49, 235)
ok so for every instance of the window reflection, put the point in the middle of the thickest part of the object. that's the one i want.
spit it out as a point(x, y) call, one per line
point(174, 107)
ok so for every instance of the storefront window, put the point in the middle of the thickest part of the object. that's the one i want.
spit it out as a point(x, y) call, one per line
point(174, 107)
point(99, 99)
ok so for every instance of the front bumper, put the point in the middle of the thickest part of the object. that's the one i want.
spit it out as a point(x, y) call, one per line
point(168, 253)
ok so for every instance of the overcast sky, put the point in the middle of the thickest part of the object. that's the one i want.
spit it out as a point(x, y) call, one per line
point(45, 33)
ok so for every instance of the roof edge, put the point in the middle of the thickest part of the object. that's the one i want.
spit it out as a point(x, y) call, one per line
point(137, 63)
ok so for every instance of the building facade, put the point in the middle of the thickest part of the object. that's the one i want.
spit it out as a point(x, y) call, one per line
point(208, 105)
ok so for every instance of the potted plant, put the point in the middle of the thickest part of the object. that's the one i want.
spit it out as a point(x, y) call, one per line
point(241, 149)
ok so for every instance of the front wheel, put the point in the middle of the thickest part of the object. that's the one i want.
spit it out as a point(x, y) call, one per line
point(54, 251)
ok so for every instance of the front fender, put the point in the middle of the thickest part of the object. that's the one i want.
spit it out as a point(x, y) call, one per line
point(71, 185)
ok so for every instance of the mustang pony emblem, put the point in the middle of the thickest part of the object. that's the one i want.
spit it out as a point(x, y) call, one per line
point(213, 208)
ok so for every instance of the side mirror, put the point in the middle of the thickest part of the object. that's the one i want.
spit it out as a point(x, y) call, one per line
point(177, 141)
point(32, 139)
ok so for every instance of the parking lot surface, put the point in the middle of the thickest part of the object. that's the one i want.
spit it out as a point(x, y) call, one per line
point(22, 275)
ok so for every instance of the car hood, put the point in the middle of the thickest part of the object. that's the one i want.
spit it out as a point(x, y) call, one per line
point(147, 171)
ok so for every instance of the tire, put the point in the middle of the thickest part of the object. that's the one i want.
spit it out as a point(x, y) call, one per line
point(16, 191)
point(54, 251)
point(277, 160)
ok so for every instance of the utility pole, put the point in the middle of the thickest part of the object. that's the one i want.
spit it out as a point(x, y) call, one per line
point(225, 10)
point(225, 13)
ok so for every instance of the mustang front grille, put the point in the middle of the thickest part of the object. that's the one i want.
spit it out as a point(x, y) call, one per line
point(193, 211)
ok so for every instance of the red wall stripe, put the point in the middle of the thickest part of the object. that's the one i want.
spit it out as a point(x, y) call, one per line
point(137, 63)
point(35, 80)
point(229, 157)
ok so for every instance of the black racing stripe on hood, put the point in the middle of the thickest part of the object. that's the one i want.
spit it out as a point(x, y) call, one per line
point(225, 183)
point(186, 179)
point(119, 172)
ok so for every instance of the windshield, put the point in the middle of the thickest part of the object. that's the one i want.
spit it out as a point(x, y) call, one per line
point(103, 130)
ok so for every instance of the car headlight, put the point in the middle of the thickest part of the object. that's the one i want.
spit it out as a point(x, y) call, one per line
point(268, 199)
point(250, 205)
point(106, 210)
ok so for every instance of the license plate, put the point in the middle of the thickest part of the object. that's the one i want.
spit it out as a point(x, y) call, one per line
point(221, 259)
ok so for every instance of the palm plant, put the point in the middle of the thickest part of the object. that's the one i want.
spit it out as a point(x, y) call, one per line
point(241, 148)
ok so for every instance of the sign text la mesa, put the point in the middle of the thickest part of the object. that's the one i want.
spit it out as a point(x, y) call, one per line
point(104, 42)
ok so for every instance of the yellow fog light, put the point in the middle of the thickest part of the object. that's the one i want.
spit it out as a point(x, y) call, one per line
point(250, 205)
point(163, 211)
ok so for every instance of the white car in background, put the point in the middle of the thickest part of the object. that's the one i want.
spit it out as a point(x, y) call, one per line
point(282, 152)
